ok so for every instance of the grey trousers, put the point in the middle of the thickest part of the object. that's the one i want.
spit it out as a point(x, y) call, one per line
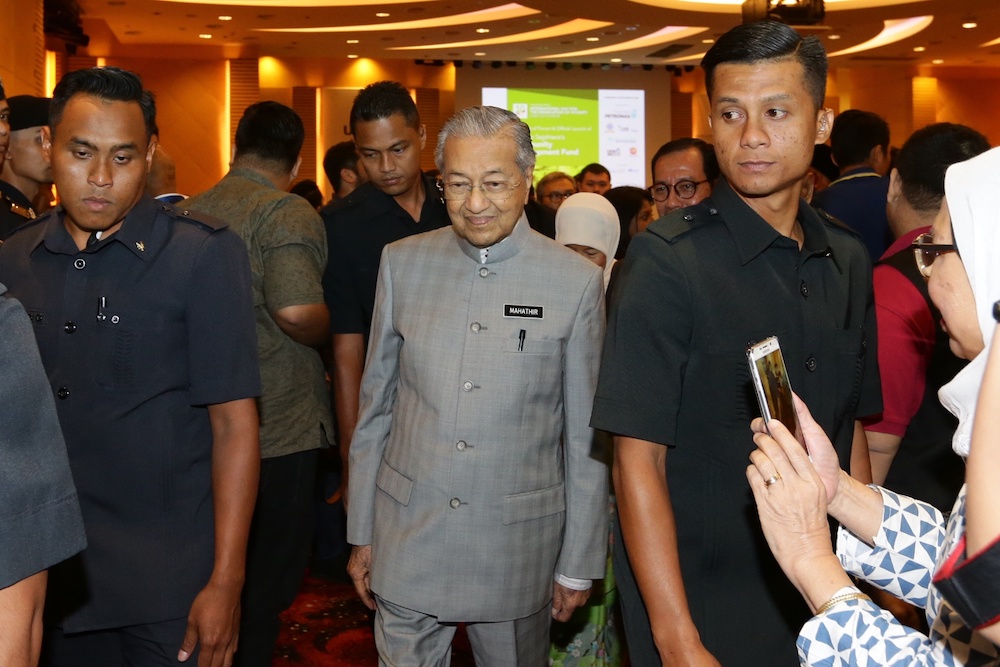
point(407, 638)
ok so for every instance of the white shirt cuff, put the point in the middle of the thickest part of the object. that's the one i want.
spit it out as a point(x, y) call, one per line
point(574, 584)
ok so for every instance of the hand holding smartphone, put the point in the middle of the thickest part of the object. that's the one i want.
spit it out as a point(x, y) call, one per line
point(774, 392)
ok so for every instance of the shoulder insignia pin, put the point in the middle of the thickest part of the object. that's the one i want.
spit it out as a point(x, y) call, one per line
point(141, 246)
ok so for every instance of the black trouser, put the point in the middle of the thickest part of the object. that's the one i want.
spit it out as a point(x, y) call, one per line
point(280, 540)
point(149, 645)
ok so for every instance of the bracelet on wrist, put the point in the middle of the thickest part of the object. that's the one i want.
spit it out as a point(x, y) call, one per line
point(837, 599)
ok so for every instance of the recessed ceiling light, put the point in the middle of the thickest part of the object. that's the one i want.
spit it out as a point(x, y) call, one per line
point(593, 39)
point(225, 18)
point(708, 41)
point(919, 49)
point(969, 25)
point(938, 61)
point(833, 36)
point(479, 53)
point(382, 15)
point(616, 60)
point(482, 31)
point(205, 35)
point(352, 55)
point(352, 41)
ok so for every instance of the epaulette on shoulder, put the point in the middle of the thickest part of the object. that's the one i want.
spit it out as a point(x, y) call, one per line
point(835, 222)
point(205, 221)
point(679, 223)
point(344, 204)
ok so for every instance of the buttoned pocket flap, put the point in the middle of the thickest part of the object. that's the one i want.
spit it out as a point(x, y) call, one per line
point(394, 483)
point(534, 504)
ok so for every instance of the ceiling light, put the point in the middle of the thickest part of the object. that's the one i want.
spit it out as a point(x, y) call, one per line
point(937, 61)
point(352, 41)
point(969, 25)
point(833, 36)
point(572, 27)
point(479, 53)
point(225, 18)
point(382, 15)
point(593, 39)
point(919, 49)
point(616, 60)
point(352, 55)
point(894, 30)
point(708, 41)
point(482, 31)
point(504, 12)
point(205, 35)
point(662, 36)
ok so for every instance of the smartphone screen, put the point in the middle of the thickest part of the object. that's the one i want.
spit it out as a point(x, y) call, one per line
point(770, 378)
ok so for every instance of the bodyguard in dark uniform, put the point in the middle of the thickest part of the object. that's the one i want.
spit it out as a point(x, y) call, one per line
point(144, 320)
point(25, 170)
point(697, 582)
point(398, 201)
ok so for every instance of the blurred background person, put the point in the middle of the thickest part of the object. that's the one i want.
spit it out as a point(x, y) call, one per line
point(553, 188)
point(684, 172)
point(635, 212)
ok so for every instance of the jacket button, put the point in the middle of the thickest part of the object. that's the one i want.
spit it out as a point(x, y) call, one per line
point(483, 272)
point(63, 393)
point(803, 288)
point(475, 327)
point(461, 445)
point(467, 385)
point(79, 263)
point(69, 327)
point(811, 364)
point(455, 503)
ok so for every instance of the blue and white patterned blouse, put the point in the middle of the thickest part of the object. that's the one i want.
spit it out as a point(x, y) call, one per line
point(912, 541)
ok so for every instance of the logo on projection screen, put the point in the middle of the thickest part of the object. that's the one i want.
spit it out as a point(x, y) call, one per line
point(521, 110)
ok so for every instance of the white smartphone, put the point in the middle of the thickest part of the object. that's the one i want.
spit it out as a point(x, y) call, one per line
point(770, 381)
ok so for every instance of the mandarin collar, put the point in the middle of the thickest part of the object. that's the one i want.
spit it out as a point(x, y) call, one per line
point(503, 249)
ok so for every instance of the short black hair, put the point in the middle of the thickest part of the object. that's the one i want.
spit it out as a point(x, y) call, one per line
point(272, 133)
point(769, 40)
point(627, 200)
point(111, 84)
point(926, 156)
point(710, 163)
point(594, 168)
point(3, 95)
point(855, 133)
point(382, 99)
point(339, 156)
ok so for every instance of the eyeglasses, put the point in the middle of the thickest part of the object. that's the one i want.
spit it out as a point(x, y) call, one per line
point(684, 189)
point(925, 251)
point(558, 196)
point(496, 191)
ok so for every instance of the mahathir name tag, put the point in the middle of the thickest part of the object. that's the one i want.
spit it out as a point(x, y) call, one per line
point(532, 312)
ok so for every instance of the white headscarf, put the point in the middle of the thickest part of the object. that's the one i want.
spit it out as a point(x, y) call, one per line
point(974, 203)
point(589, 219)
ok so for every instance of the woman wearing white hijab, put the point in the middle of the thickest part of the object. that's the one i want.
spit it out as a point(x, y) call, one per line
point(587, 224)
point(891, 541)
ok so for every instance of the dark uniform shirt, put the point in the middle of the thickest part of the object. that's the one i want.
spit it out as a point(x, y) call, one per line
point(138, 334)
point(357, 228)
point(693, 292)
point(15, 210)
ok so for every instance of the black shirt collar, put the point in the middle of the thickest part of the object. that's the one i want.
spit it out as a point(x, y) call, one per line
point(135, 233)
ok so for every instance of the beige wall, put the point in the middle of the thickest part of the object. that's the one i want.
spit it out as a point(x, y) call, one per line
point(22, 47)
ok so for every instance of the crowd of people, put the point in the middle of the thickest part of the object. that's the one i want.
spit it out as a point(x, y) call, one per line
point(536, 384)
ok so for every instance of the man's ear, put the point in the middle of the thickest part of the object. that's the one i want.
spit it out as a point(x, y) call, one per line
point(348, 175)
point(150, 151)
point(824, 125)
point(423, 136)
point(895, 186)
point(878, 158)
point(47, 143)
point(295, 169)
point(529, 174)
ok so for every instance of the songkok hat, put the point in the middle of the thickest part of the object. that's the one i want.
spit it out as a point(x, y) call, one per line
point(28, 111)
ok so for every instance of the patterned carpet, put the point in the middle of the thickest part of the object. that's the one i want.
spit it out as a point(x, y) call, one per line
point(328, 626)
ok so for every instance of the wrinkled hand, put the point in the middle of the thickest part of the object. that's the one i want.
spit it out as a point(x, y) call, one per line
point(821, 451)
point(792, 510)
point(359, 568)
point(566, 600)
point(213, 622)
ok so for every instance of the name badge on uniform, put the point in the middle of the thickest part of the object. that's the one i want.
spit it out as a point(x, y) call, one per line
point(533, 312)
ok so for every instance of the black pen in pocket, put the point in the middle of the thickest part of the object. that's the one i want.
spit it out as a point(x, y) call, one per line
point(520, 340)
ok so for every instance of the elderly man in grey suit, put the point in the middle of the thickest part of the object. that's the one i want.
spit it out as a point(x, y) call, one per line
point(477, 495)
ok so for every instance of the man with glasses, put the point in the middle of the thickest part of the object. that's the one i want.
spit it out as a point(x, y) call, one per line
point(553, 189)
point(684, 171)
point(475, 496)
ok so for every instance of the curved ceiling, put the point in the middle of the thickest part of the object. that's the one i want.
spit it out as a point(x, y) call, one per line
point(638, 32)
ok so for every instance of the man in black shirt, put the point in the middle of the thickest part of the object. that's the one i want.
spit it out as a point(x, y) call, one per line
point(398, 201)
point(25, 170)
point(751, 261)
